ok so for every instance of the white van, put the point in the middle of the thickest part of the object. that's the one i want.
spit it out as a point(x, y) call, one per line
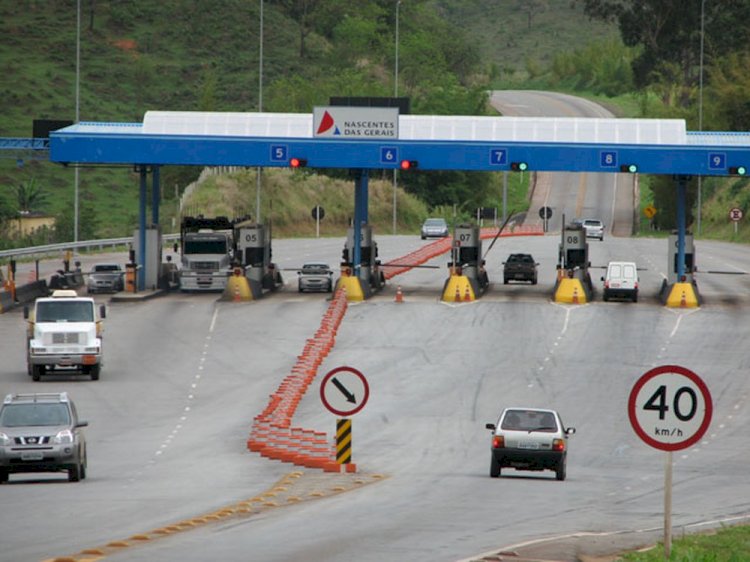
point(621, 281)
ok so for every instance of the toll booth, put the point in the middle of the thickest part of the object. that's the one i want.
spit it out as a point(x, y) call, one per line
point(252, 251)
point(150, 262)
point(573, 260)
point(673, 265)
point(466, 256)
point(370, 276)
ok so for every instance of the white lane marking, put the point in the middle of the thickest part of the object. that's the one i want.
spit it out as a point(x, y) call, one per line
point(213, 321)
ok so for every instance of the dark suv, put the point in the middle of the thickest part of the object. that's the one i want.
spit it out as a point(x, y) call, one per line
point(41, 433)
point(520, 267)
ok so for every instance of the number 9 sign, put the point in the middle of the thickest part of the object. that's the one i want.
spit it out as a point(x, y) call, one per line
point(670, 408)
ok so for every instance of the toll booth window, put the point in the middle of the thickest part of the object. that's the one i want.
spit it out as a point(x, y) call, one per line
point(469, 255)
point(254, 256)
point(688, 263)
point(576, 258)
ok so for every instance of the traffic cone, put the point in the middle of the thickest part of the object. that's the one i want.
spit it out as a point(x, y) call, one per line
point(575, 295)
point(683, 300)
point(457, 296)
point(237, 297)
point(399, 294)
point(467, 294)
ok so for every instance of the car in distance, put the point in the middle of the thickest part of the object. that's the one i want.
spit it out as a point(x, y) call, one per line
point(621, 281)
point(434, 228)
point(105, 277)
point(594, 228)
point(315, 277)
point(41, 433)
point(520, 267)
point(529, 439)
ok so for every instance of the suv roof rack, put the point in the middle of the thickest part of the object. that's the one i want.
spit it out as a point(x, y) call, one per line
point(35, 397)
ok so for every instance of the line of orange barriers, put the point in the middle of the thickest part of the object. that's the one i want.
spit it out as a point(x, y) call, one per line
point(272, 434)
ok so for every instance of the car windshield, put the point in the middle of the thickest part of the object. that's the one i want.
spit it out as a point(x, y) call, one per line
point(592, 223)
point(529, 420)
point(521, 258)
point(100, 268)
point(435, 222)
point(20, 415)
point(315, 268)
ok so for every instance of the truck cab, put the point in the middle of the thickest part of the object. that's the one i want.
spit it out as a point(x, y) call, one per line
point(64, 333)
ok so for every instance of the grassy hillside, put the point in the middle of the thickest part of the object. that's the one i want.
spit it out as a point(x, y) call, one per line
point(203, 55)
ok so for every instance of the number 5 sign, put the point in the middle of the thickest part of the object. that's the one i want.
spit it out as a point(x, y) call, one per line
point(670, 408)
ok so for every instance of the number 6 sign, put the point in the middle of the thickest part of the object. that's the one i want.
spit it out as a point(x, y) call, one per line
point(670, 408)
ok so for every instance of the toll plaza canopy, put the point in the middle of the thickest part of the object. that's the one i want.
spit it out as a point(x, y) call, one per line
point(428, 142)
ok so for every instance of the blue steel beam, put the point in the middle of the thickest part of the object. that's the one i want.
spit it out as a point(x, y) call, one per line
point(139, 148)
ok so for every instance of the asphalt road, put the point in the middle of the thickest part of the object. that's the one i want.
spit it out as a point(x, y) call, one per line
point(185, 375)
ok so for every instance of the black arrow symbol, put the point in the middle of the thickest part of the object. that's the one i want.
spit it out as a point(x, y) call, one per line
point(348, 395)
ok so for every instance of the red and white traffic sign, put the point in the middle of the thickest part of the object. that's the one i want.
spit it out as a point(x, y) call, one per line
point(344, 391)
point(735, 214)
point(670, 407)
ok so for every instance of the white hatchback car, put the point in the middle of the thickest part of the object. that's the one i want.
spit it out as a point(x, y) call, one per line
point(594, 228)
point(621, 281)
point(529, 439)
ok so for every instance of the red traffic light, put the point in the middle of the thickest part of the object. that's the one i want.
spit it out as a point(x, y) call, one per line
point(298, 162)
point(408, 164)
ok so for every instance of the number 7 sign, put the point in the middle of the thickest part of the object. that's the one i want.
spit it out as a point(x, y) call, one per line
point(670, 408)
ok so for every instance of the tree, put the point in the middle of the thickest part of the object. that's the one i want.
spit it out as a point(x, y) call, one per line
point(668, 32)
point(30, 197)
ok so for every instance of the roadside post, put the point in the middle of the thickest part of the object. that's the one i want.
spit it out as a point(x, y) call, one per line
point(344, 391)
point(735, 215)
point(670, 409)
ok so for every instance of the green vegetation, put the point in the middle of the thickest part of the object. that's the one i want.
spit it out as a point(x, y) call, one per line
point(729, 544)
point(204, 55)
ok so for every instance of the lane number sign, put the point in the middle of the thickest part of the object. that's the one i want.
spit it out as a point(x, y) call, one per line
point(670, 408)
point(344, 391)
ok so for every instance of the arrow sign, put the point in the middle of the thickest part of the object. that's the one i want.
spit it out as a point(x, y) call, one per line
point(348, 395)
point(340, 388)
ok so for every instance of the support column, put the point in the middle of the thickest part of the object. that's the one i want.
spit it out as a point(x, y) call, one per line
point(141, 277)
point(681, 198)
point(155, 195)
point(360, 216)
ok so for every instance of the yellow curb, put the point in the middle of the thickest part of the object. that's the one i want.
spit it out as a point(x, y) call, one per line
point(118, 544)
point(140, 538)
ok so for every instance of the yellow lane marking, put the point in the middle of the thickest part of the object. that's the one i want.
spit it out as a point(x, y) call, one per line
point(284, 492)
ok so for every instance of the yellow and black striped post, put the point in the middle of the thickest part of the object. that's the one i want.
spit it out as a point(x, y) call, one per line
point(343, 440)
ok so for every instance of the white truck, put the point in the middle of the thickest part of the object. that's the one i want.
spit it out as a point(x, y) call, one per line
point(64, 333)
point(206, 253)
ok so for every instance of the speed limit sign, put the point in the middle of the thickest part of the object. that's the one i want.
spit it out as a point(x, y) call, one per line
point(670, 407)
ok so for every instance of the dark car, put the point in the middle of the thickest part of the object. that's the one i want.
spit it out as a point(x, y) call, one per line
point(529, 439)
point(520, 267)
point(315, 277)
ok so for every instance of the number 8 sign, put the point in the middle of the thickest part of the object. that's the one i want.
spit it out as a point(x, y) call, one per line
point(670, 408)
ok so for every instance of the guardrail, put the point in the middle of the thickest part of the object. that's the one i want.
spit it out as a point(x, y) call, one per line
point(86, 244)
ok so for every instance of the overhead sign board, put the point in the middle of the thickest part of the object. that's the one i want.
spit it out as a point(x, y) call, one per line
point(344, 391)
point(670, 407)
point(361, 123)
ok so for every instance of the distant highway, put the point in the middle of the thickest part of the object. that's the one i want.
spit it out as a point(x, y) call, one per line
point(609, 197)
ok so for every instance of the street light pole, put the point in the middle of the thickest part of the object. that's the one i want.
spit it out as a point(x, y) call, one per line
point(260, 108)
point(78, 106)
point(395, 95)
point(700, 116)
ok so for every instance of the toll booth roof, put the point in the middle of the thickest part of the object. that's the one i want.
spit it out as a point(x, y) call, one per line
point(427, 127)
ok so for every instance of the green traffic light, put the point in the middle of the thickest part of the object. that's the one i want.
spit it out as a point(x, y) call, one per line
point(741, 171)
point(632, 168)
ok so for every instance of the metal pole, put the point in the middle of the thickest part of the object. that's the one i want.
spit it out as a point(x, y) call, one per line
point(700, 117)
point(260, 108)
point(395, 95)
point(78, 113)
point(668, 506)
point(505, 196)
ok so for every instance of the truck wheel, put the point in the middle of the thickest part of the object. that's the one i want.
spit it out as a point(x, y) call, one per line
point(36, 372)
point(94, 370)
